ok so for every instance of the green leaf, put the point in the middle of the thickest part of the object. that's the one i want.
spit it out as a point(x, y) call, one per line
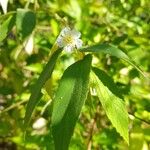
point(111, 50)
point(113, 105)
point(25, 22)
point(108, 82)
point(70, 97)
point(6, 27)
point(36, 92)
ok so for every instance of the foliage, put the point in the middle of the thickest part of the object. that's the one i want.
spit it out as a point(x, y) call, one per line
point(70, 95)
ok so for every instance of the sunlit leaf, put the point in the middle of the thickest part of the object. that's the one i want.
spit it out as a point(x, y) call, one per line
point(6, 27)
point(70, 97)
point(108, 82)
point(36, 92)
point(113, 105)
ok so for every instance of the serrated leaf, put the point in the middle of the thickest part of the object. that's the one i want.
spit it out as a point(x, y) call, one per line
point(25, 22)
point(36, 92)
point(70, 97)
point(114, 106)
point(108, 82)
point(6, 27)
point(111, 50)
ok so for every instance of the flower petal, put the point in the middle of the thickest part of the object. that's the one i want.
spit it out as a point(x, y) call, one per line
point(69, 39)
point(65, 31)
point(60, 41)
point(79, 43)
point(75, 34)
point(68, 48)
point(4, 4)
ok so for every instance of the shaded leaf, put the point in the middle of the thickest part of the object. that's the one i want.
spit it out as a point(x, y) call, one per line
point(36, 92)
point(108, 82)
point(111, 50)
point(113, 105)
point(25, 22)
point(70, 97)
point(6, 27)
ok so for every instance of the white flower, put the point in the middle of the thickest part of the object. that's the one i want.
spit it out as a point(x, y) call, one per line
point(29, 45)
point(4, 4)
point(69, 39)
point(39, 123)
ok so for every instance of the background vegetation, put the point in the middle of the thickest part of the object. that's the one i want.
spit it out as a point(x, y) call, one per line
point(25, 50)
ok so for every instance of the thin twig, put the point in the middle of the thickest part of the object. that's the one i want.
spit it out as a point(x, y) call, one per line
point(89, 143)
point(143, 120)
point(13, 106)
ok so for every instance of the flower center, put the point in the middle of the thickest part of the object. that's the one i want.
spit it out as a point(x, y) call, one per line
point(68, 39)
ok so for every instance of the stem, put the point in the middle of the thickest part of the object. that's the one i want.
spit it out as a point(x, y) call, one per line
point(8, 14)
point(13, 106)
point(89, 144)
point(27, 4)
point(142, 120)
point(53, 49)
point(93, 124)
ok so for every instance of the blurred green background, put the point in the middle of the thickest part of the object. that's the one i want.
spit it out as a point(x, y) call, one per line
point(124, 23)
